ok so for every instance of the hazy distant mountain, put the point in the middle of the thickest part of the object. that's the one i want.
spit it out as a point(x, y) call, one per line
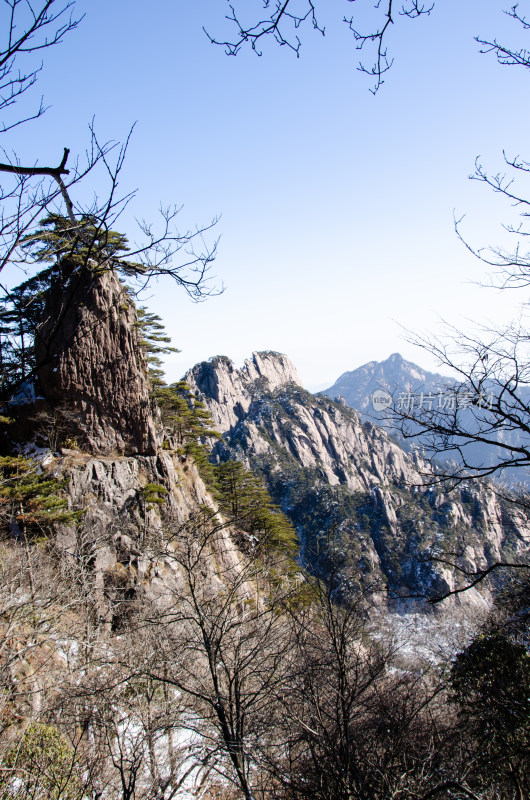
point(399, 377)
point(395, 375)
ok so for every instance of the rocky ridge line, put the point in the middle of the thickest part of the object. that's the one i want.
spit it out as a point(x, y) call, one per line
point(307, 446)
point(230, 391)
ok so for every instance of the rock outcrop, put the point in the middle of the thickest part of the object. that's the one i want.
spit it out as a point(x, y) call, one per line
point(132, 496)
point(343, 479)
point(315, 432)
point(126, 538)
point(230, 391)
point(89, 360)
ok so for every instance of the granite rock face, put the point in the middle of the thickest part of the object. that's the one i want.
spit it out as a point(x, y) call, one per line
point(89, 360)
point(337, 476)
point(230, 391)
point(126, 539)
point(132, 497)
point(265, 397)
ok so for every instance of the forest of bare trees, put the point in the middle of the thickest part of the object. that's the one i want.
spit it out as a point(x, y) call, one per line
point(246, 678)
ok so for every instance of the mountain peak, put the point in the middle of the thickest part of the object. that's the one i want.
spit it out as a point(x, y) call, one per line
point(231, 390)
point(330, 474)
point(393, 374)
point(276, 368)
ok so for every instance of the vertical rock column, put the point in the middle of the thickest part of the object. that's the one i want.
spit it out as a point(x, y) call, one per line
point(89, 359)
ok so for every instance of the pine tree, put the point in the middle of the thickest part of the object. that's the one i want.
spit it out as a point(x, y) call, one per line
point(43, 765)
point(84, 243)
point(189, 424)
point(246, 502)
point(21, 310)
point(29, 497)
point(154, 342)
point(186, 419)
point(64, 247)
point(491, 684)
point(189, 427)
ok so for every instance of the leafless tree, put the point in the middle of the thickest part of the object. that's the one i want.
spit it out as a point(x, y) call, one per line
point(489, 402)
point(479, 425)
point(488, 406)
point(223, 644)
point(37, 611)
point(29, 27)
point(164, 250)
point(283, 20)
point(353, 726)
point(31, 191)
point(506, 55)
point(76, 237)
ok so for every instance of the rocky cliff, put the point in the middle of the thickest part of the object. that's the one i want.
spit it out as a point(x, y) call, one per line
point(131, 494)
point(407, 383)
point(126, 538)
point(113, 554)
point(348, 487)
point(230, 391)
point(90, 362)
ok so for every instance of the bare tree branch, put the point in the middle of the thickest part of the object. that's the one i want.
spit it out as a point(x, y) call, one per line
point(286, 18)
point(31, 27)
point(508, 56)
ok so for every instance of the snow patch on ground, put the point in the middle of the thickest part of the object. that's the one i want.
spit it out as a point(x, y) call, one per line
point(431, 638)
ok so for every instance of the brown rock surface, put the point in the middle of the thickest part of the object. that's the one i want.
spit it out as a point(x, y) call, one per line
point(90, 360)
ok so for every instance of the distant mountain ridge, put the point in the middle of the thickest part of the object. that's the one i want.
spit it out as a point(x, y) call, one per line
point(351, 491)
point(404, 380)
point(395, 375)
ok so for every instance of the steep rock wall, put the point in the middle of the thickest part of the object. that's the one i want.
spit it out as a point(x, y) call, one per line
point(336, 476)
point(230, 391)
point(132, 495)
point(90, 361)
point(125, 539)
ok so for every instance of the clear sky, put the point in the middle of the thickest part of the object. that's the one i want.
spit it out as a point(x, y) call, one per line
point(336, 206)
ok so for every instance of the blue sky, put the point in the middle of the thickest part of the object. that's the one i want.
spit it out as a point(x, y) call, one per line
point(336, 206)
